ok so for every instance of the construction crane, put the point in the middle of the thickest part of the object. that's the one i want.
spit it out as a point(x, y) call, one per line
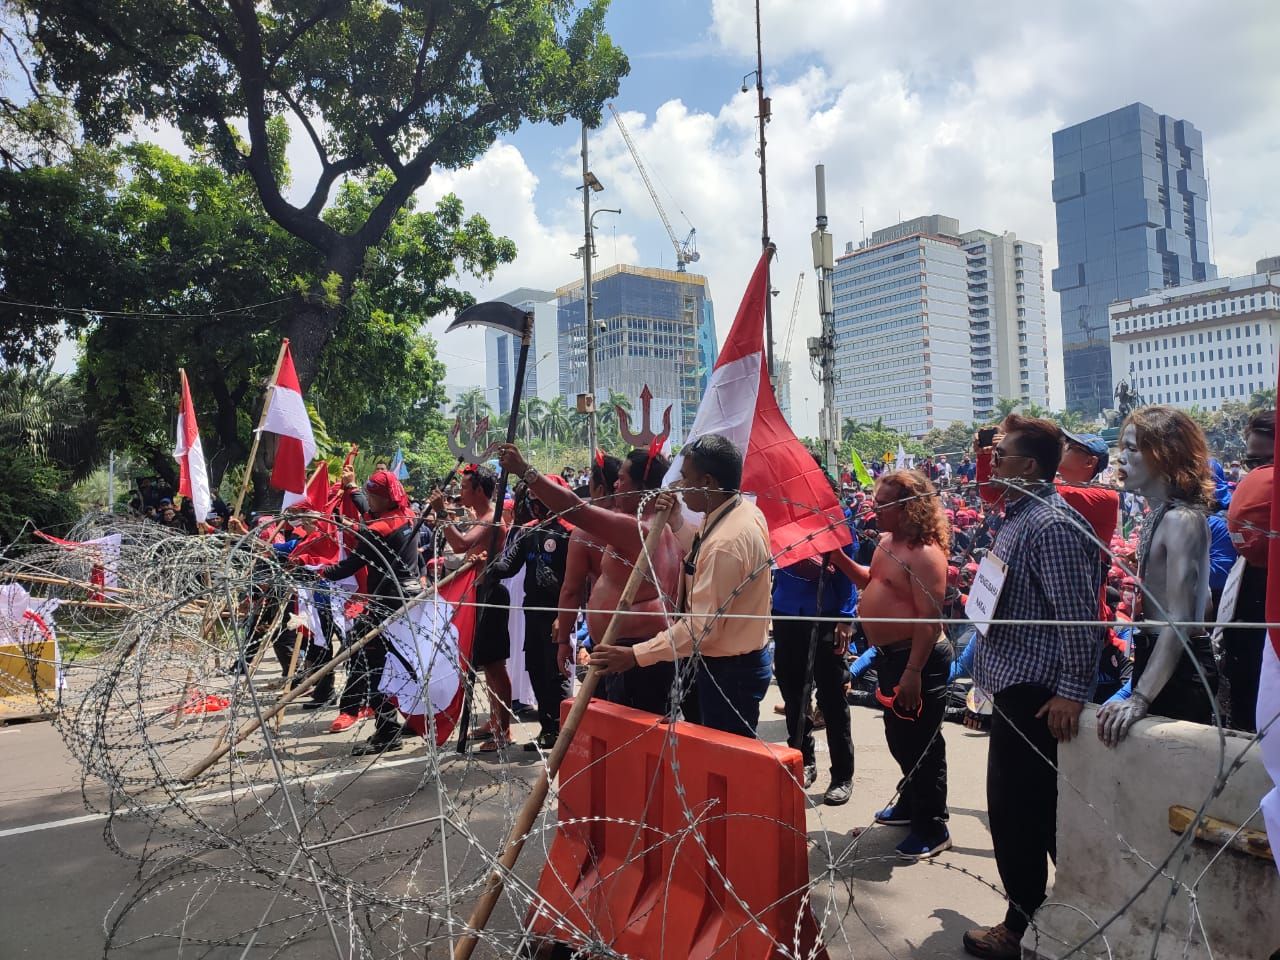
point(686, 249)
point(795, 311)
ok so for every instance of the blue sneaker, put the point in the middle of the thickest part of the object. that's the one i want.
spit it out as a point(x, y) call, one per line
point(916, 847)
point(894, 816)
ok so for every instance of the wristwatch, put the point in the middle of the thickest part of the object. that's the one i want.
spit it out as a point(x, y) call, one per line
point(531, 475)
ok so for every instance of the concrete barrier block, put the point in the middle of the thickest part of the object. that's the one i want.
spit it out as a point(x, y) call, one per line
point(1113, 830)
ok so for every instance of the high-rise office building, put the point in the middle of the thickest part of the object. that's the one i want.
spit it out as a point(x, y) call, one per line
point(502, 352)
point(1008, 336)
point(1200, 344)
point(932, 325)
point(1132, 212)
point(654, 327)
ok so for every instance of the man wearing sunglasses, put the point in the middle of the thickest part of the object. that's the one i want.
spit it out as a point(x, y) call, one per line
point(1039, 676)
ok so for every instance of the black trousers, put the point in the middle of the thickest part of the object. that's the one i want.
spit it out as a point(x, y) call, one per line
point(917, 744)
point(642, 688)
point(550, 687)
point(1022, 799)
point(1242, 650)
point(364, 676)
point(790, 664)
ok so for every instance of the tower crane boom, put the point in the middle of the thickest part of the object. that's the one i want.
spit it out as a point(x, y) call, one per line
point(686, 250)
point(795, 311)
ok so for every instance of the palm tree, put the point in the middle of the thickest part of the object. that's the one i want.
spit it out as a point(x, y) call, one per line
point(1072, 421)
point(608, 427)
point(470, 406)
point(44, 412)
point(532, 410)
point(555, 420)
point(1263, 399)
point(1005, 406)
point(849, 428)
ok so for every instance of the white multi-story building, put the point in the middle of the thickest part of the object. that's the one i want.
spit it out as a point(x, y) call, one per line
point(783, 388)
point(1201, 344)
point(502, 352)
point(933, 326)
point(1008, 336)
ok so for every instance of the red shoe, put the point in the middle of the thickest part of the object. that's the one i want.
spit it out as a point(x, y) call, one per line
point(366, 713)
point(343, 721)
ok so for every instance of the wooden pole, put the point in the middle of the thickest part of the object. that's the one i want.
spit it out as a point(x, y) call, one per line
point(305, 686)
point(533, 805)
point(257, 434)
point(293, 665)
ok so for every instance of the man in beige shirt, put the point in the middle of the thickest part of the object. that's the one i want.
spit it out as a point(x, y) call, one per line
point(726, 577)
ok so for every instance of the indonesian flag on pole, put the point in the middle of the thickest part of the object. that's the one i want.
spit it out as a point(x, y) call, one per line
point(1268, 714)
point(790, 489)
point(431, 646)
point(193, 482)
point(287, 417)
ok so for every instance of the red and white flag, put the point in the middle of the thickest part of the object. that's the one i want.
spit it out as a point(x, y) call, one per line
point(1268, 712)
point(805, 518)
point(193, 477)
point(288, 418)
point(426, 670)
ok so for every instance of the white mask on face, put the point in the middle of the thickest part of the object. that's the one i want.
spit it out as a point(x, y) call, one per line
point(1132, 466)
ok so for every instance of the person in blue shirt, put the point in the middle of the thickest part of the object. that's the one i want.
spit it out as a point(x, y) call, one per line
point(1222, 554)
point(796, 593)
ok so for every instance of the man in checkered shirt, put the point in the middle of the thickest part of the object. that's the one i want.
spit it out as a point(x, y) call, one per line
point(1039, 676)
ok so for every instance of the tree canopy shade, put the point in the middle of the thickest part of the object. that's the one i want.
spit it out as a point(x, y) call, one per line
point(393, 89)
point(202, 279)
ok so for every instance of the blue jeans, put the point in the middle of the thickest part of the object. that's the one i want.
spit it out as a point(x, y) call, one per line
point(730, 690)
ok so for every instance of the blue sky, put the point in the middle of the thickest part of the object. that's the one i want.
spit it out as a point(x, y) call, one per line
point(914, 107)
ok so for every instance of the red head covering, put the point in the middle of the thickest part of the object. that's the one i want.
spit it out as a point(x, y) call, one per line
point(385, 484)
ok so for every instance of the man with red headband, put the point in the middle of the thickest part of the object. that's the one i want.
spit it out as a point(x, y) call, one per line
point(385, 549)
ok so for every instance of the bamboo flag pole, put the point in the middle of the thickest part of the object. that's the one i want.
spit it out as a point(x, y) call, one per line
point(533, 804)
point(257, 434)
point(305, 686)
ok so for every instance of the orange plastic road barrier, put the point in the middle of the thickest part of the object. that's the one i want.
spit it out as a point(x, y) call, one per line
point(641, 882)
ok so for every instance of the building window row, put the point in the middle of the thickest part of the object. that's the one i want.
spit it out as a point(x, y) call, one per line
point(1207, 311)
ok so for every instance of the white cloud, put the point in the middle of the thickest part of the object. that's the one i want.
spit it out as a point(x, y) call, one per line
point(502, 188)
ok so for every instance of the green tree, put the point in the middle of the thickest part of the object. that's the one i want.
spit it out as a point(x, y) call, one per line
point(956, 438)
point(1072, 420)
point(193, 274)
point(556, 421)
point(1004, 407)
point(383, 89)
point(471, 407)
point(44, 413)
point(1263, 399)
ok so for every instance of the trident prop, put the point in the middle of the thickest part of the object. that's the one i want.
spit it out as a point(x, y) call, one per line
point(519, 323)
point(646, 436)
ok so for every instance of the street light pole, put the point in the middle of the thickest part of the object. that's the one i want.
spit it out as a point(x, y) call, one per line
point(763, 112)
point(588, 313)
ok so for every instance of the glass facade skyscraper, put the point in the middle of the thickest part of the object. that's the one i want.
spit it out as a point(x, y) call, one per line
point(659, 331)
point(1132, 213)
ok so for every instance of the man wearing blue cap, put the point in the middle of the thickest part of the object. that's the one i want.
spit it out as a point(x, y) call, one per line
point(1084, 456)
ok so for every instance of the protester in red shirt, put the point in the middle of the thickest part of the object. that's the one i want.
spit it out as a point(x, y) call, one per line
point(1084, 457)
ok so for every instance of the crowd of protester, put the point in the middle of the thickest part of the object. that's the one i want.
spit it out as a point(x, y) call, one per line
point(1068, 540)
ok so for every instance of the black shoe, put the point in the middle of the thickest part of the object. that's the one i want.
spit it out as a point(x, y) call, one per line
point(810, 774)
point(838, 794)
point(377, 744)
point(544, 742)
point(314, 704)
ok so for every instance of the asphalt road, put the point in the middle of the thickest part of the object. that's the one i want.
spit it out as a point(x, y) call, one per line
point(61, 878)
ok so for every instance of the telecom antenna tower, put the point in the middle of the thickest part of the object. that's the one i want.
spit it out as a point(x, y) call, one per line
point(822, 348)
